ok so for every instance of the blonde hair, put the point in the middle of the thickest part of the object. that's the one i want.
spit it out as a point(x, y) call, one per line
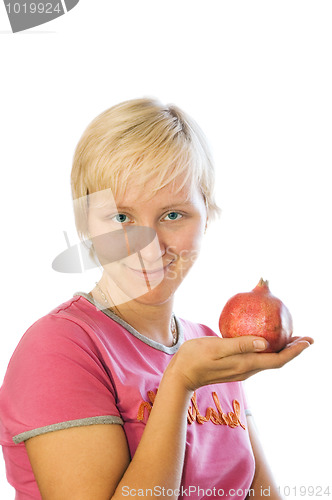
point(140, 140)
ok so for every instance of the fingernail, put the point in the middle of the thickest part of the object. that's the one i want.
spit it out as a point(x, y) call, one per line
point(260, 345)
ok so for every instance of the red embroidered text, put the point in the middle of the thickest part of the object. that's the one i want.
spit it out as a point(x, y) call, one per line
point(216, 415)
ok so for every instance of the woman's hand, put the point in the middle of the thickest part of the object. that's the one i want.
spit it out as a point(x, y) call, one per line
point(210, 360)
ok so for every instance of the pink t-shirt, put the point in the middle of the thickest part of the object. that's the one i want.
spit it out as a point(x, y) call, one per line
point(82, 365)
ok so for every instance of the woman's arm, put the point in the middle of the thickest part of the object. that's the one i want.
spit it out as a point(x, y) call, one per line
point(93, 462)
point(83, 463)
point(263, 483)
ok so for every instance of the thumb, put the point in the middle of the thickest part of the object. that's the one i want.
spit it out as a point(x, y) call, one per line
point(244, 344)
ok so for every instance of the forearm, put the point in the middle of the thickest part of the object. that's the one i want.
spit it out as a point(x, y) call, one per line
point(263, 483)
point(158, 460)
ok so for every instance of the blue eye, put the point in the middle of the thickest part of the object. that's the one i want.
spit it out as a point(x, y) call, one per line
point(173, 215)
point(121, 219)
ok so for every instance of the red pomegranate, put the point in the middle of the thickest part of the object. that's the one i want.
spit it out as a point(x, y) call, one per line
point(257, 313)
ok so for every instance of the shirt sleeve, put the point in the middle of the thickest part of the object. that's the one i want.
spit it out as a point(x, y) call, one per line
point(56, 379)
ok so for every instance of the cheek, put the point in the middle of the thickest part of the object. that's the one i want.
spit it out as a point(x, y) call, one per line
point(188, 243)
point(95, 226)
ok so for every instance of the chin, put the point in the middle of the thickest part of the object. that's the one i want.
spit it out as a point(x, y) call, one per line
point(156, 297)
point(138, 291)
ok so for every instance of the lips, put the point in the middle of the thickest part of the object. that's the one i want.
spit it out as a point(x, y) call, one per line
point(150, 272)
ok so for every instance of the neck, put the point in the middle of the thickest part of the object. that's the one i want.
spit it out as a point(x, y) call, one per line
point(151, 320)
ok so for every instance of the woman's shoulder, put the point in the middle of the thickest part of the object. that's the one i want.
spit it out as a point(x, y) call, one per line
point(55, 375)
point(67, 323)
point(59, 343)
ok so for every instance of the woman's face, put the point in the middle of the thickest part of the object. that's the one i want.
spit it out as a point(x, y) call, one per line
point(168, 250)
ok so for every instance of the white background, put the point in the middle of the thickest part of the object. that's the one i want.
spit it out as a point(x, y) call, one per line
point(256, 75)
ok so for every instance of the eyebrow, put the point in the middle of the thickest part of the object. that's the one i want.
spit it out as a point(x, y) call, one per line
point(183, 203)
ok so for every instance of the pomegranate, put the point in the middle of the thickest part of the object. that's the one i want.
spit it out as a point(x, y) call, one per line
point(257, 313)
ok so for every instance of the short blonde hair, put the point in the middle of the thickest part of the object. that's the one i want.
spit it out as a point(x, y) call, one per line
point(139, 140)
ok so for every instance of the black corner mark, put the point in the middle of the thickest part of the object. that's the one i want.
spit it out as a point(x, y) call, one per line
point(25, 14)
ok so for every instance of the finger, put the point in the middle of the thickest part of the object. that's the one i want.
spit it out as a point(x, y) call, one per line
point(251, 363)
point(295, 339)
point(279, 359)
point(293, 350)
point(292, 339)
point(242, 345)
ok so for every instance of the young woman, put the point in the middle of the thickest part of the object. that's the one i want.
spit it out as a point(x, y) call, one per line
point(110, 395)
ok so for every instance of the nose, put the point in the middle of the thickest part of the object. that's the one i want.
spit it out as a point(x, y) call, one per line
point(154, 251)
point(122, 243)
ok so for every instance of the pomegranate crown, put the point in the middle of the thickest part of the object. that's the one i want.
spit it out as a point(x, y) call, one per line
point(262, 284)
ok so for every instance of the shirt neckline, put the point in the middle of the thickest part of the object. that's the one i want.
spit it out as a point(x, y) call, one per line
point(152, 343)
